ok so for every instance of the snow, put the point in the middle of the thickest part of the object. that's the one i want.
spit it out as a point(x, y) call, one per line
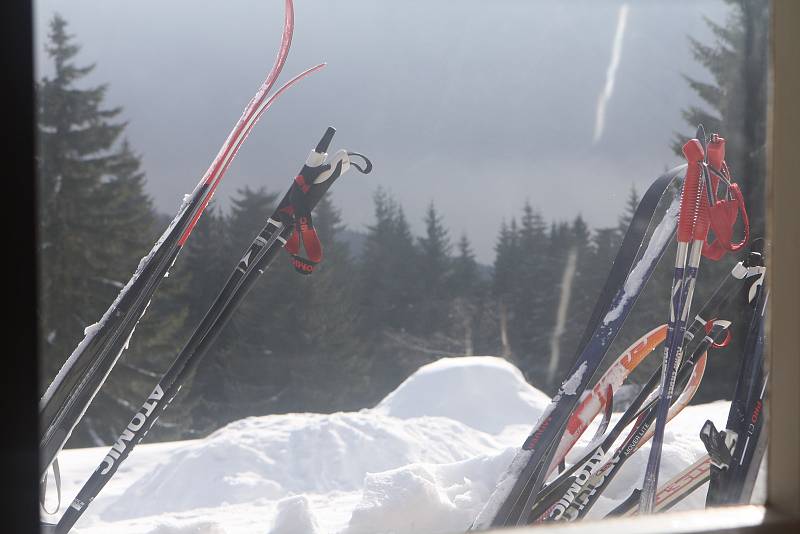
point(636, 278)
point(425, 459)
point(570, 387)
point(468, 390)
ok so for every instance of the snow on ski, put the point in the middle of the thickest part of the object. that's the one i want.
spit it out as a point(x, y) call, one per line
point(77, 382)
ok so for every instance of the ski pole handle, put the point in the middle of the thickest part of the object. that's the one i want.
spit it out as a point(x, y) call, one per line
point(692, 188)
point(325, 142)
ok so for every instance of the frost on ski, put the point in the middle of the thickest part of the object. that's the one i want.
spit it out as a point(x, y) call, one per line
point(425, 459)
point(571, 385)
point(638, 275)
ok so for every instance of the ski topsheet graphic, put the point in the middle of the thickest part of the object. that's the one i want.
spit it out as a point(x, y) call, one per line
point(79, 379)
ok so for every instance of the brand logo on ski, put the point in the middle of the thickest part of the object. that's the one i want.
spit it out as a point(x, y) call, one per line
point(245, 261)
point(534, 438)
point(136, 423)
point(580, 480)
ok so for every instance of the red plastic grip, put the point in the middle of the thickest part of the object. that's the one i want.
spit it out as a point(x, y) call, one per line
point(690, 195)
point(703, 222)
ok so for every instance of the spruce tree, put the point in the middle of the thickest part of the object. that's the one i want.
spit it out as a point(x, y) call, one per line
point(434, 273)
point(737, 98)
point(389, 267)
point(466, 290)
point(735, 106)
point(504, 284)
point(531, 317)
point(96, 223)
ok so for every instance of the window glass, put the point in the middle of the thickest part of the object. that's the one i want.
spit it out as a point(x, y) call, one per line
point(480, 280)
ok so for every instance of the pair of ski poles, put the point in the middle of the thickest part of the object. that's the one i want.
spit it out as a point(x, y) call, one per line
point(700, 211)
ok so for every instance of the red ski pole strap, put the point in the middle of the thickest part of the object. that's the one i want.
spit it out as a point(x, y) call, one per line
point(299, 214)
point(724, 213)
point(709, 326)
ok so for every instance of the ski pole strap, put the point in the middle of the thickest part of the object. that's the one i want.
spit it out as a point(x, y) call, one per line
point(300, 213)
point(367, 168)
point(717, 344)
point(43, 493)
point(724, 213)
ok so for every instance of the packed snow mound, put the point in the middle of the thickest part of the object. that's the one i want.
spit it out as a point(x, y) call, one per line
point(192, 527)
point(295, 516)
point(484, 392)
point(276, 456)
point(444, 498)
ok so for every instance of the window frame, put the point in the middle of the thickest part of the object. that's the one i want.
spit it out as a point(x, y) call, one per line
point(782, 510)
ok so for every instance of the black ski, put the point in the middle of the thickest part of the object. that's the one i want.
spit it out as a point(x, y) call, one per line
point(737, 451)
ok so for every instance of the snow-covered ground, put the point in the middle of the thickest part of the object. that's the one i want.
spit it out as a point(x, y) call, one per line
point(424, 460)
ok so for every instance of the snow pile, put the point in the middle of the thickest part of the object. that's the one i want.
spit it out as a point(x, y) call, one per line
point(294, 516)
point(425, 459)
point(277, 456)
point(483, 392)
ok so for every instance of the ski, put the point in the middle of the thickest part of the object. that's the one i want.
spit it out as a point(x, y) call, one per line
point(79, 379)
point(676, 489)
point(579, 502)
point(698, 198)
point(751, 272)
point(290, 227)
point(737, 451)
point(600, 397)
point(513, 499)
point(742, 279)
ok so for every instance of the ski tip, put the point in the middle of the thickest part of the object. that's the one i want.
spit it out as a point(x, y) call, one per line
point(325, 142)
point(701, 134)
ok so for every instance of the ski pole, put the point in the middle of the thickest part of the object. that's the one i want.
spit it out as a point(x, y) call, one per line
point(314, 179)
point(692, 222)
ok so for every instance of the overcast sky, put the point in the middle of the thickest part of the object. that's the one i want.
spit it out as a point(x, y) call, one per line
point(475, 105)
